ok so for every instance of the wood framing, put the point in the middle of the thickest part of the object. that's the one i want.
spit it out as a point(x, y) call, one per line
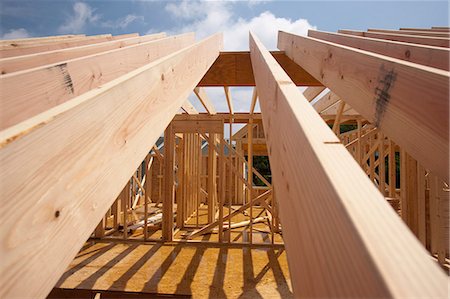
point(382, 89)
point(18, 63)
point(54, 84)
point(344, 214)
point(206, 102)
point(76, 159)
point(423, 40)
point(35, 48)
point(312, 92)
point(426, 55)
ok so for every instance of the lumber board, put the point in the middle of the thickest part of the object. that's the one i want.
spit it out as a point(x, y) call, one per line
point(437, 57)
point(253, 102)
point(75, 160)
point(197, 126)
point(235, 69)
point(189, 108)
point(54, 46)
point(27, 43)
point(238, 117)
point(23, 62)
point(423, 40)
point(426, 29)
point(204, 99)
point(407, 101)
point(312, 92)
point(52, 85)
point(229, 99)
point(330, 211)
point(412, 32)
point(169, 188)
point(16, 41)
point(326, 101)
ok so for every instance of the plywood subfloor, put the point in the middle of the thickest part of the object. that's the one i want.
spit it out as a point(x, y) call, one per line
point(200, 270)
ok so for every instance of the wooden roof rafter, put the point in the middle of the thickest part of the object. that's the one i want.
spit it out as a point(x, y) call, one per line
point(94, 134)
point(23, 62)
point(54, 84)
point(437, 57)
point(344, 211)
point(424, 40)
point(204, 99)
point(229, 99)
point(390, 86)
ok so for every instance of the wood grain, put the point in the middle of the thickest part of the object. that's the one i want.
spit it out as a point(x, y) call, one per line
point(342, 238)
point(23, 62)
point(52, 85)
point(64, 169)
point(437, 57)
point(407, 101)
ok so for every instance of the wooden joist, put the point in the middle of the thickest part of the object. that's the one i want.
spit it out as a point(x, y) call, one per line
point(427, 55)
point(407, 101)
point(189, 108)
point(62, 169)
point(412, 32)
point(326, 101)
point(52, 85)
point(235, 69)
point(423, 40)
point(30, 49)
point(312, 92)
point(334, 219)
point(433, 29)
point(204, 99)
point(17, 41)
point(23, 62)
point(229, 99)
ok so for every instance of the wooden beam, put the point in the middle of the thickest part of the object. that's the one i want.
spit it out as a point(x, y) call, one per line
point(229, 99)
point(427, 55)
point(254, 98)
point(17, 41)
point(423, 40)
point(312, 92)
point(88, 40)
point(426, 29)
point(23, 62)
point(52, 85)
point(206, 102)
point(65, 156)
point(413, 32)
point(325, 101)
point(328, 205)
point(169, 188)
point(32, 42)
point(408, 102)
point(238, 117)
point(235, 69)
point(188, 108)
point(337, 121)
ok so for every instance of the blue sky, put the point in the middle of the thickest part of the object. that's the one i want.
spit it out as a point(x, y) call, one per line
point(22, 18)
point(40, 18)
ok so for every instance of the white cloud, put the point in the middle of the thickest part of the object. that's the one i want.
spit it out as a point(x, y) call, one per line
point(208, 17)
point(16, 33)
point(83, 14)
point(122, 22)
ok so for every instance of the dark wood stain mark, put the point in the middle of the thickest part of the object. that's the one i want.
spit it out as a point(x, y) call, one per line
point(66, 76)
point(382, 95)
